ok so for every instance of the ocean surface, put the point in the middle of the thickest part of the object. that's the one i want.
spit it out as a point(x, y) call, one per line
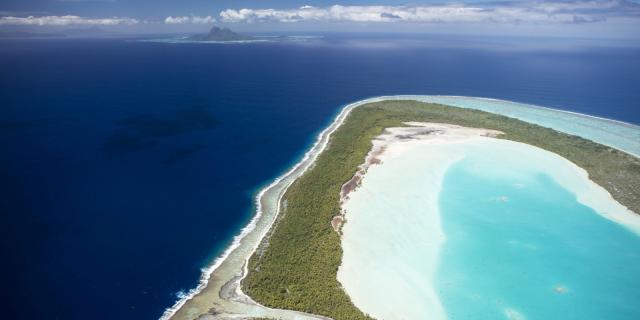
point(127, 166)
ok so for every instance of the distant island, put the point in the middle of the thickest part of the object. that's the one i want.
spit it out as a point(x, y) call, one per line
point(220, 34)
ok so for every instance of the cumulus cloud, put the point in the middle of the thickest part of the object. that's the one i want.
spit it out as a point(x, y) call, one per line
point(189, 20)
point(64, 21)
point(578, 11)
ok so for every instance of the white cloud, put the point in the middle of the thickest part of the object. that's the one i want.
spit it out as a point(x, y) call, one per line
point(64, 21)
point(579, 11)
point(189, 19)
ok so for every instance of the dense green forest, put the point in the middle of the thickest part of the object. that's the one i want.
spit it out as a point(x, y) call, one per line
point(297, 268)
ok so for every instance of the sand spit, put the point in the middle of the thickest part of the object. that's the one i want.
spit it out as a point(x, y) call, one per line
point(420, 131)
point(219, 295)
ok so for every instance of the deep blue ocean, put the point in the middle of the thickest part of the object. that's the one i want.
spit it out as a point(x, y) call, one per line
point(127, 166)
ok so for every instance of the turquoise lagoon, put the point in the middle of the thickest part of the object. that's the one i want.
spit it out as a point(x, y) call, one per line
point(484, 228)
point(523, 247)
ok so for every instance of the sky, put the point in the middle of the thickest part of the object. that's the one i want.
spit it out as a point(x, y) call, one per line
point(574, 18)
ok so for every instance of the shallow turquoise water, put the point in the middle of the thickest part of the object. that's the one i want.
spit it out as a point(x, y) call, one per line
point(530, 251)
point(620, 135)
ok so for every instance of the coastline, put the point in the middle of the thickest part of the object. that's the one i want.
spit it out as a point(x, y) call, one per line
point(279, 185)
point(219, 285)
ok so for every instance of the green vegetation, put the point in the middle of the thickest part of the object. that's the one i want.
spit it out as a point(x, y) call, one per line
point(297, 268)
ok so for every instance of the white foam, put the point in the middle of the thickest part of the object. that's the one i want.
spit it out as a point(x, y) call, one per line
point(306, 161)
point(206, 272)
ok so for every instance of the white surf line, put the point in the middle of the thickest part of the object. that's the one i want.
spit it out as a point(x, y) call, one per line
point(307, 161)
point(207, 271)
point(310, 156)
point(304, 164)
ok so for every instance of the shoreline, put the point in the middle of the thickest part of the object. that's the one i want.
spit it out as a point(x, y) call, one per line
point(234, 302)
point(306, 162)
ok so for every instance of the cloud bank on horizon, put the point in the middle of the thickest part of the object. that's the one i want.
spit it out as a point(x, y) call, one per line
point(579, 11)
point(556, 12)
point(189, 20)
point(64, 21)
